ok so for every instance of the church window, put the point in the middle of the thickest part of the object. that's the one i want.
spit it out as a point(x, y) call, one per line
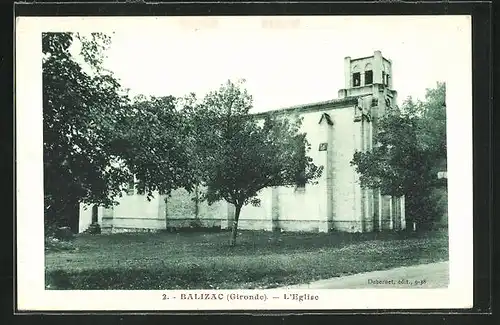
point(356, 79)
point(368, 77)
point(387, 80)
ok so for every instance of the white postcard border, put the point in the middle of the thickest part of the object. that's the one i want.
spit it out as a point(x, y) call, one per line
point(31, 294)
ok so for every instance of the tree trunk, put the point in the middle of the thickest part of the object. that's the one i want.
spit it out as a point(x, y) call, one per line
point(234, 231)
point(196, 202)
point(73, 215)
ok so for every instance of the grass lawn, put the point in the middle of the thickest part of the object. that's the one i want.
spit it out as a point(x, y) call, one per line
point(204, 260)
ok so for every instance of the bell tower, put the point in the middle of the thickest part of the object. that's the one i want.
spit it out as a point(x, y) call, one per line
point(370, 79)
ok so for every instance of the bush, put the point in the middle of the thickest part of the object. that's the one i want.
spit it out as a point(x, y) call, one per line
point(195, 224)
point(53, 244)
point(58, 238)
point(427, 207)
point(439, 196)
point(64, 233)
point(93, 229)
point(50, 229)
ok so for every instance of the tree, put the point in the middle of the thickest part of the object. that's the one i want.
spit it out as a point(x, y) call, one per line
point(411, 145)
point(82, 104)
point(155, 147)
point(238, 155)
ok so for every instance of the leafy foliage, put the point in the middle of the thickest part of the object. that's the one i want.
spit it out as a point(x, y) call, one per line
point(82, 103)
point(96, 139)
point(411, 149)
point(238, 155)
point(154, 146)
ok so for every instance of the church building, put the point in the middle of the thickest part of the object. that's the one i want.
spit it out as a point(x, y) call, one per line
point(336, 129)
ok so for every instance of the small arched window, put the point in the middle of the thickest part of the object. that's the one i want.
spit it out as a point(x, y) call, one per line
point(385, 74)
point(356, 76)
point(368, 74)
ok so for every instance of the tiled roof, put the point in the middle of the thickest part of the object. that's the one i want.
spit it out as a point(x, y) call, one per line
point(311, 107)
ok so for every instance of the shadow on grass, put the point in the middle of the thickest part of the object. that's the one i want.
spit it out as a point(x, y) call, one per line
point(260, 259)
point(289, 242)
point(168, 278)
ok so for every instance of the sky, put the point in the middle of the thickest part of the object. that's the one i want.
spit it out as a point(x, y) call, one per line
point(285, 62)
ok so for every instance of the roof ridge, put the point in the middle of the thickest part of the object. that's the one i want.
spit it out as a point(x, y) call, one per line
point(309, 105)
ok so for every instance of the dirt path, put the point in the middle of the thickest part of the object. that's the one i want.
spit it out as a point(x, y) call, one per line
point(434, 275)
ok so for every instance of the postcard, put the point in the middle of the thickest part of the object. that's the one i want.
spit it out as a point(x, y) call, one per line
point(243, 163)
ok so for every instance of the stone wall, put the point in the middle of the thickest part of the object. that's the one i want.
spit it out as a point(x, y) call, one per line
point(212, 215)
point(181, 209)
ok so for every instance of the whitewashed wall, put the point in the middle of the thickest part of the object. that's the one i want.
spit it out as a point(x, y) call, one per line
point(86, 216)
point(346, 201)
point(135, 211)
point(305, 209)
point(313, 208)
